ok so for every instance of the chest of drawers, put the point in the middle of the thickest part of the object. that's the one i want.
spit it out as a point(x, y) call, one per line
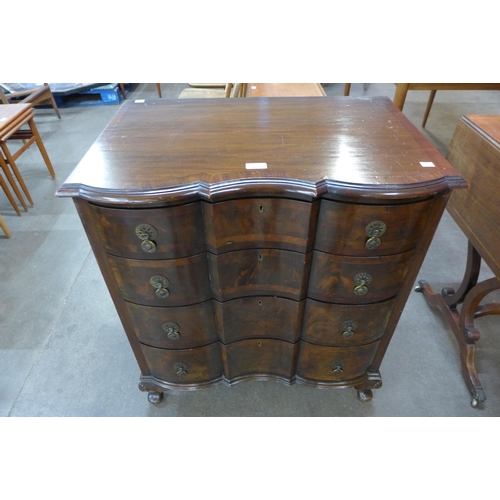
point(260, 239)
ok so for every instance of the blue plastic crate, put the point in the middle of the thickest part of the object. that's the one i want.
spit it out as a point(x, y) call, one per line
point(104, 95)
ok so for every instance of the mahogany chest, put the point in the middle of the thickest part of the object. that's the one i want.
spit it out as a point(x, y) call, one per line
point(260, 238)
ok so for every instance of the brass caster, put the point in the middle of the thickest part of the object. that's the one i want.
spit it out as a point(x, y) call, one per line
point(478, 396)
point(155, 397)
point(365, 396)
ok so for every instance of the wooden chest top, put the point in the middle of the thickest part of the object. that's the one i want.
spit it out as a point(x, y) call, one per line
point(166, 151)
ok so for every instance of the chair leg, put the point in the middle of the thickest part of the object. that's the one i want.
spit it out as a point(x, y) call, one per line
point(41, 147)
point(347, 89)
point(429, 106)
point(7, 192)
point(158, 89)
point(12, 182)
point(5, 228)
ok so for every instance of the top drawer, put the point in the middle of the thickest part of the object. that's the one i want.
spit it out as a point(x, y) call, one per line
point(151, 233)
point(370, 230)
point(260, 223)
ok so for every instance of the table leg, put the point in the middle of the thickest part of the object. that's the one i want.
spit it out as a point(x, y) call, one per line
point(453, 298)
point(470, 295)
point(400, 95)
point(428, 108)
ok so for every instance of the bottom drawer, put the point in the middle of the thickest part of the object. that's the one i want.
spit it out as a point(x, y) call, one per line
point(274, 358)
point(185, 366)
point(334, 364)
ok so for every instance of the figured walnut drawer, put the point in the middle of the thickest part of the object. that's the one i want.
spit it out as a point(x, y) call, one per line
point(345, 325)
point(188, 280)
point(252, 317)
point(174, 327)
point(334, 364)
point(343, 227)
point(176, 231)
point(187, 366)
point(260, 222)
point(259, 272)
point(259, 357)
point(336, 278)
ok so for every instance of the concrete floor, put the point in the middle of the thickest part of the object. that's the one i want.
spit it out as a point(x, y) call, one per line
point(63, 351)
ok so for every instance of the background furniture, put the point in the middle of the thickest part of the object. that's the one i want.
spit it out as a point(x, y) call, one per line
point(6, 190)
point(347, 88)
point(261, 248)
point(12, 118)
point(475, 152)
point(229, 90)
point(4, 227)
point(35, 96)
point(403, 88)
point(284, 89)
point(124, 94)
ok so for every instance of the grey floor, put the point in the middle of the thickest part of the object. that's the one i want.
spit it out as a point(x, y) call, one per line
point(63, 351)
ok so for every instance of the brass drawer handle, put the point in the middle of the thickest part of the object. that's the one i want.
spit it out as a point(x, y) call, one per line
point(148, 246)
point(348, 328)
point(374, 230)
point(361, 280)
point(172, 330)
point(338, 367)
point(160, 283)
point(181, 369)
point(147, 233)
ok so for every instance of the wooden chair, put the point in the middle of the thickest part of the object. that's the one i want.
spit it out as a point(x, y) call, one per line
point(35, 96)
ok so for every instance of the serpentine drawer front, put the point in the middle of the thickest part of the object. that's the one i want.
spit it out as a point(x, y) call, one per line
point(260, 239)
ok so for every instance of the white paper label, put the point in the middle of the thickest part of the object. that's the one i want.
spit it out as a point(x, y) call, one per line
point(139, 101)
point(255, 166)
point(427, 164)
point(253, 87)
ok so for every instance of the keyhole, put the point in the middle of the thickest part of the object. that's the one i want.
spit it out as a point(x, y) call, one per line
point(261, 209)
point(260, 302)
point(260, 256)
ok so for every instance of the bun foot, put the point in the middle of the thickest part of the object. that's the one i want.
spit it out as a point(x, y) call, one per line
point(155, 397)
point(365, 396)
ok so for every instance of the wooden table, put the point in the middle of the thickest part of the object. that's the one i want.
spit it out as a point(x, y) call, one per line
point(279, 243)
point(403, 88)
point(475, 152)
point(284, 90)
